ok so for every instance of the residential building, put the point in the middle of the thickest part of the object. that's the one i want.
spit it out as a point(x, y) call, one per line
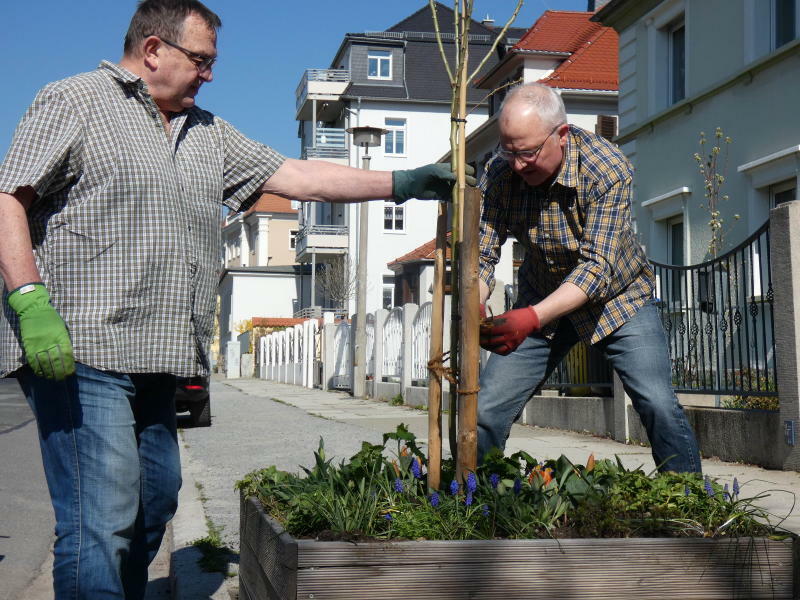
point(393, 80)
point(692, 66)
point(260, 276)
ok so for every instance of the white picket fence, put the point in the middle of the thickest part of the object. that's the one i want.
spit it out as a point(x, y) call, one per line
point(320, 354)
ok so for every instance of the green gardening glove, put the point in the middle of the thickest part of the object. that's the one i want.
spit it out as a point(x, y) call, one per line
point(45, 338)
point(431, 182)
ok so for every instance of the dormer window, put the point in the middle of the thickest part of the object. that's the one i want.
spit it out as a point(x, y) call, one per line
point(379, 64)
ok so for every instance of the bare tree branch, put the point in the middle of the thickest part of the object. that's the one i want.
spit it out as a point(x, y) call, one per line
point(498, 38)
point(439, 41)
point(337, 280)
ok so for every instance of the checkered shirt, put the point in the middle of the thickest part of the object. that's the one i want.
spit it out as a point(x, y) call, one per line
point(126, 225)
point(577, 230)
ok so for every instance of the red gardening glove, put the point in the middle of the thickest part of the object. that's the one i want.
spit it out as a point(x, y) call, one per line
point(504, 333)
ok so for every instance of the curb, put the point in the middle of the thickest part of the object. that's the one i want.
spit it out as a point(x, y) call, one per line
point(187, 580)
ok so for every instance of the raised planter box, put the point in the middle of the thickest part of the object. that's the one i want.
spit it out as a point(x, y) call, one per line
point(273, 565)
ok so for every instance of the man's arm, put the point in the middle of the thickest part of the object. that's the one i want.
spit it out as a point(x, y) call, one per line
point(566, 298)
point(17, 265)
point(321, 181)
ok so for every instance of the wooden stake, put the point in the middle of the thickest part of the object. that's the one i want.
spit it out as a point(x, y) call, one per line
point(437, 348)
point(470, 349)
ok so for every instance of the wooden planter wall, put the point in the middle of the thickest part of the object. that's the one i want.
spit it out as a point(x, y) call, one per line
point(273, 565)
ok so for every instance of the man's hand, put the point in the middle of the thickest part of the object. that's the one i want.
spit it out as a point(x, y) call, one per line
point(45, 338)
point(431, 182)
point(504, 333)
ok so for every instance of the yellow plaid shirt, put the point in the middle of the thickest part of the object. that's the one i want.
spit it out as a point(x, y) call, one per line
point(577, 230)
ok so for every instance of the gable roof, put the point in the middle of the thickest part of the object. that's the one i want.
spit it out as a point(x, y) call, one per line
point(559, 31)
point(592, 67)
point(422, 253)
point(422, 20)
point(271, 203)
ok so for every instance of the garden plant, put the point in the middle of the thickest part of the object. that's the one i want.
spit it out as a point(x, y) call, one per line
point(382, 493)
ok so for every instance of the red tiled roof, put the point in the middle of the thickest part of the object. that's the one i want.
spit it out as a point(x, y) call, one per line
point(592, 67)
point(424, 252)
point(559, 31)
point(272, 204)
point(276, 321)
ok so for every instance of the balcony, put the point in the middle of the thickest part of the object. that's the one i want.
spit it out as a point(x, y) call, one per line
point(321, 240)
point(330, 144)
point(320, 92)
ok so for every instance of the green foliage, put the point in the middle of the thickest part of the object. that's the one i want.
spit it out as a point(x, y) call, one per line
point(396, 400)
point(215, 554)
point(379, 494)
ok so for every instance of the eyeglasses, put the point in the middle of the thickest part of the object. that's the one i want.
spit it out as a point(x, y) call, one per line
point(526, 155)
point(201, 61)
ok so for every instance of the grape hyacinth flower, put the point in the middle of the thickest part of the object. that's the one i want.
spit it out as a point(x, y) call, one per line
point(398, 485)
point(735, 487)
point(725, 494)
point(416, 470)
point(707, 486)
point(387, 516)
point(686, 490)
point(494, 479)
point(435, 499)
point(468, 499)
point(485, 510)
point(454, 487)
point(472, 483)
point(517, 485)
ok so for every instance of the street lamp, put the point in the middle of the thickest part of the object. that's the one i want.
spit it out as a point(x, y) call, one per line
point(365, 137)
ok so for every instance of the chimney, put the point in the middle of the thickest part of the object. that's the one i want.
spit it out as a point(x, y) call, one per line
point(488, 22)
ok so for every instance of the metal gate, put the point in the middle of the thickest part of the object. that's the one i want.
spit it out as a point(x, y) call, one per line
point(343, 363)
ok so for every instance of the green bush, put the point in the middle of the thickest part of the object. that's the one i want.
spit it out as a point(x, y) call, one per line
point(374, 496)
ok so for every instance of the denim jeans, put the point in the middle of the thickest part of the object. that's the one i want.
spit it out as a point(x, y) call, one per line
point(111, 458)
point(638, 352)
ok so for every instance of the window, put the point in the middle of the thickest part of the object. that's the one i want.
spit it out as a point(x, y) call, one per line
point(784, 22)
point(395, 139)
point(677, 62)
point(379, 64)
point(393, 218)
point(785, 191)
point(293, 239)
point(388, 292)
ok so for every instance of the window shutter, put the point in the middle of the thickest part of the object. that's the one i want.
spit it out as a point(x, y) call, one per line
point(606, 126)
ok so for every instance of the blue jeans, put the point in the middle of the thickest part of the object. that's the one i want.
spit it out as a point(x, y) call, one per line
point(110, 452)
point(638, 352)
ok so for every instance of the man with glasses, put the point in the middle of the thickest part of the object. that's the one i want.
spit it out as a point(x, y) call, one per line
point(110, 198)
point(564, 194)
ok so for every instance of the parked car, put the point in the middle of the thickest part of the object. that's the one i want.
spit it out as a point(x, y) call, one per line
point(191, 394)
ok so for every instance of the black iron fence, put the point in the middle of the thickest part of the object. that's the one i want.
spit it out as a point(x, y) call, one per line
point(718, 317)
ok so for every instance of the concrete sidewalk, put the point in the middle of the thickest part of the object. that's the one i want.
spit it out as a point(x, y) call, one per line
point(783, 487)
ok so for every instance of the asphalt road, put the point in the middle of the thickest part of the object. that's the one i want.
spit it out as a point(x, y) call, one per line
point(26, 516)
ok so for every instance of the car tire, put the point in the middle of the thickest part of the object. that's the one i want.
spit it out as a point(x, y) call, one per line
point(201, 415)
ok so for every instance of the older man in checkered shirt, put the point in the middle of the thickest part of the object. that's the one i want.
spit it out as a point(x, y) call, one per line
point(564, 194)
point(109, 238)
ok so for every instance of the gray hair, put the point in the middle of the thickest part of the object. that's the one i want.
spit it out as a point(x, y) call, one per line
point(547, 102)
point(165, 18)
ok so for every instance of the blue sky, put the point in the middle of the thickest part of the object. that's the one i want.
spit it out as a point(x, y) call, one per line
point(264, 47)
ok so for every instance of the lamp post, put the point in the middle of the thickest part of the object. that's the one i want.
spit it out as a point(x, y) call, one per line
point(365, 137)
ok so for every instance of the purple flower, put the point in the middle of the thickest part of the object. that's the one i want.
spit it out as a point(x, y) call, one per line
point(485, 510)
point(707, 486)
point(494, 479)
point(435, 499)
point(468, 499)
point(387, 516)
point(735, 487)
point(472, 483)
point(454, 487)
point(416, 470)
point(398, 485)
point(725, 493)
point(517, 485)
point(686, 490)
